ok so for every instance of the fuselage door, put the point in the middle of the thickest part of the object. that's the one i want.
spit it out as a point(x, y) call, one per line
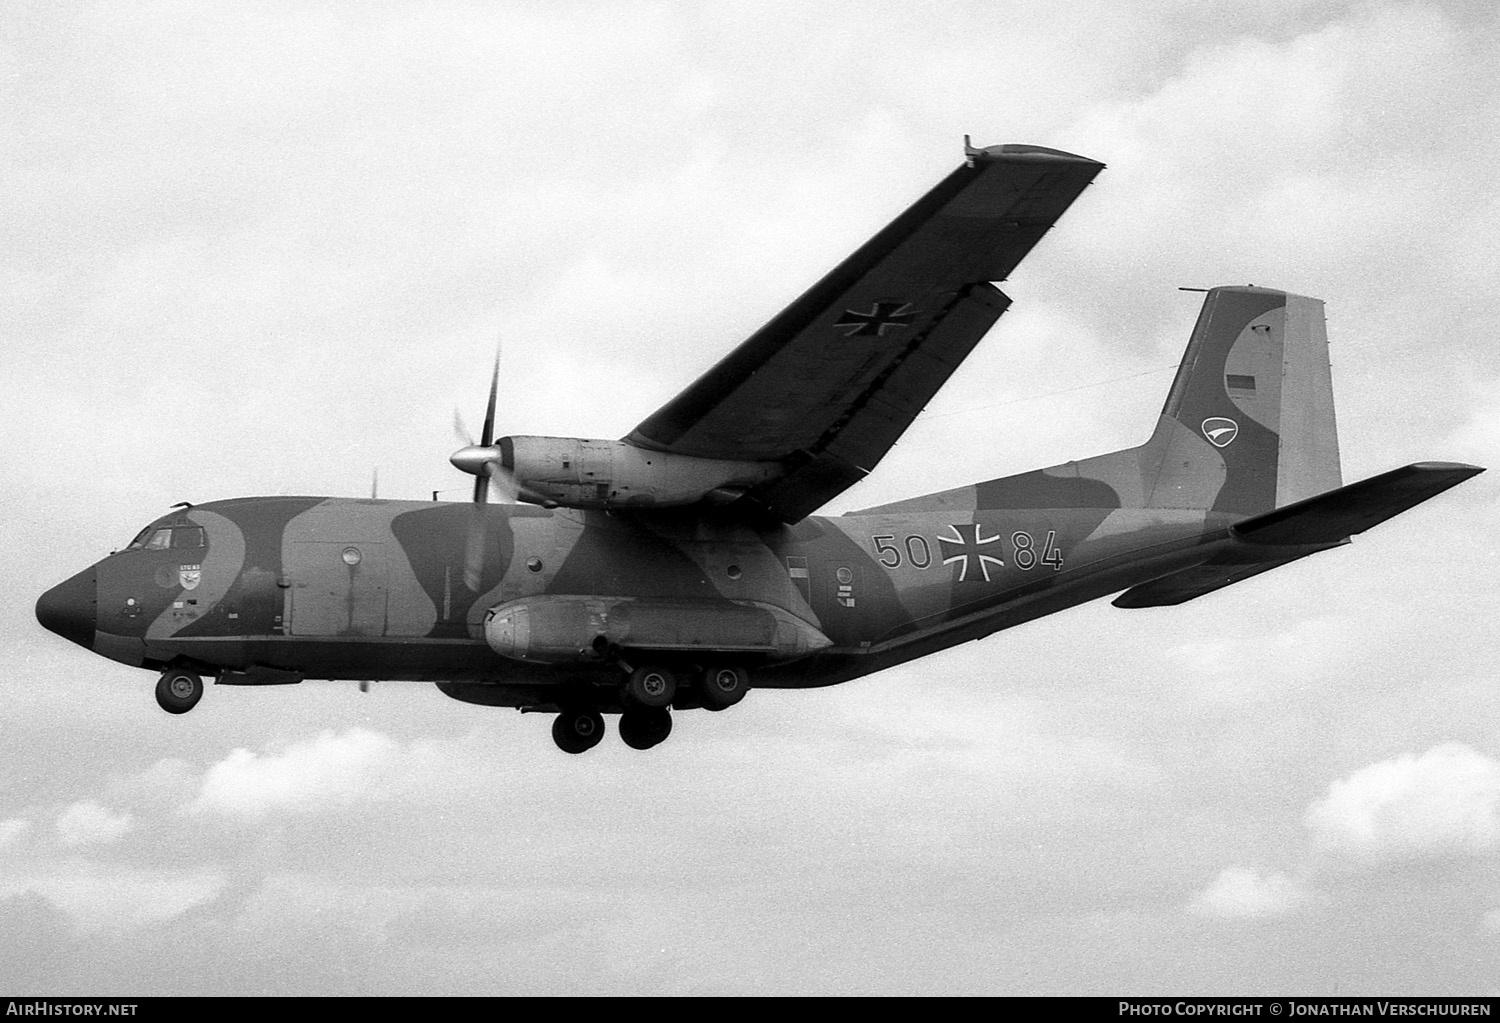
point(337, 589)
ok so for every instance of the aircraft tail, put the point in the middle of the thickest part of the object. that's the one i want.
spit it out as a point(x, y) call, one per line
point(1249, 424)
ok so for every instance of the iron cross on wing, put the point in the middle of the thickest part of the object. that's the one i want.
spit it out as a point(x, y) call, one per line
point(875, 322)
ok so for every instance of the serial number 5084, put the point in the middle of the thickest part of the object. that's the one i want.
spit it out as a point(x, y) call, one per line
point(915, 550)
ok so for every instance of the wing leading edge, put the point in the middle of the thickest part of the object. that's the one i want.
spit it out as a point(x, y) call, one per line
point(828, 385)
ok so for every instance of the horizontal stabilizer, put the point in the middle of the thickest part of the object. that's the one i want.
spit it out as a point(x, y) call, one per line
point(1331, 517)
point(1181, 587)
point(1315, 524)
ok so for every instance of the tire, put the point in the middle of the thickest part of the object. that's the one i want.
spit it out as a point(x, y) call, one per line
point(577, 731)
point(645, 727)
point(651, 686)
point(723, 686)
point(179, 690)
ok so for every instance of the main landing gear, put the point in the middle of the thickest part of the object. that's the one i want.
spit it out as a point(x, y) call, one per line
point(644, 727)
point(179, 690)
point(646, 699)
point(723, 686)
point(578, 730)
point(651, 686)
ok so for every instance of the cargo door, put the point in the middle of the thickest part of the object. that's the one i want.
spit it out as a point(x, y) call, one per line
point(337, 589)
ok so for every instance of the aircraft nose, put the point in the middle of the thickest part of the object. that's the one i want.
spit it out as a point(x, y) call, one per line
point(70, 607)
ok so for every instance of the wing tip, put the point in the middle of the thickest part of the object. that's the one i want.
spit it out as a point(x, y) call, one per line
point(1463, 469)
point(1015, 152)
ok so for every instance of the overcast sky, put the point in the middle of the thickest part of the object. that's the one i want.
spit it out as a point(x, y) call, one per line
point(264, 248)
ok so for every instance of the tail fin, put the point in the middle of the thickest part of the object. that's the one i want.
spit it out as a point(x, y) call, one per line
point(1249, 424)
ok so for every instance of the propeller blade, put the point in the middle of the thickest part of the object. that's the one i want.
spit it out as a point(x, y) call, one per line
point(484, 462)
point(487, 435)
point(504, 482)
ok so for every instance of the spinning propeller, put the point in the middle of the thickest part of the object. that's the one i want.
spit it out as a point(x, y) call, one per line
point(484, 462)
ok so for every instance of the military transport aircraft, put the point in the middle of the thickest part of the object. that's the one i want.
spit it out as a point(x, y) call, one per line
point(680, 566)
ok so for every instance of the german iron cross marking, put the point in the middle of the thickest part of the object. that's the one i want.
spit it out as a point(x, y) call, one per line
point(964, 546)
point(875, 322)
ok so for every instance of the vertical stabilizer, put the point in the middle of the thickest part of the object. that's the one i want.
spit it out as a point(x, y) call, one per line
point(1248, 425)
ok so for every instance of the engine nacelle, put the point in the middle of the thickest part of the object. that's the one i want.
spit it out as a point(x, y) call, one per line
point(570, 629)
point(575, 473)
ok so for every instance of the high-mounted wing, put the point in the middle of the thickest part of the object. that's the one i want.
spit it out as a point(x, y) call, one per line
point(828, 385)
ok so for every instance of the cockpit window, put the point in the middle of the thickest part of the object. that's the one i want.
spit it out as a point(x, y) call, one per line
point(187, 536)
point(173, 537)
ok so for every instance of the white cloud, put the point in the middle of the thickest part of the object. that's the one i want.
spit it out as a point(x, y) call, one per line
point(330, 770)
point(1244, 894)
point(12, 829)
point(98, 898)
point(88, 823)
point(1441, 803)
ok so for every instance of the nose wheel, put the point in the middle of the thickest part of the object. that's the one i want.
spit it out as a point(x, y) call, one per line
point(179, 690)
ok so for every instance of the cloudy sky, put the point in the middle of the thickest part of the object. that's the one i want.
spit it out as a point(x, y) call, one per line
point(266, 248)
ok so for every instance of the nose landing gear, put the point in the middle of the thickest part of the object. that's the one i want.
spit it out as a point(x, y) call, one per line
point(179, 690)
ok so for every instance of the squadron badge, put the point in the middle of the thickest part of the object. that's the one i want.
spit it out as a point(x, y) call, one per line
point(1220, 431)
point(188, 576)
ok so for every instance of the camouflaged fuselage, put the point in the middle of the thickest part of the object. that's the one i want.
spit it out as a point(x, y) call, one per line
point(373, 589)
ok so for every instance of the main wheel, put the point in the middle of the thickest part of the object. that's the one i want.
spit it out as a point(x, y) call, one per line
point(644, 727)
point(723, 686)
point(179, 690)
point(578, 730)
point(651, 686)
